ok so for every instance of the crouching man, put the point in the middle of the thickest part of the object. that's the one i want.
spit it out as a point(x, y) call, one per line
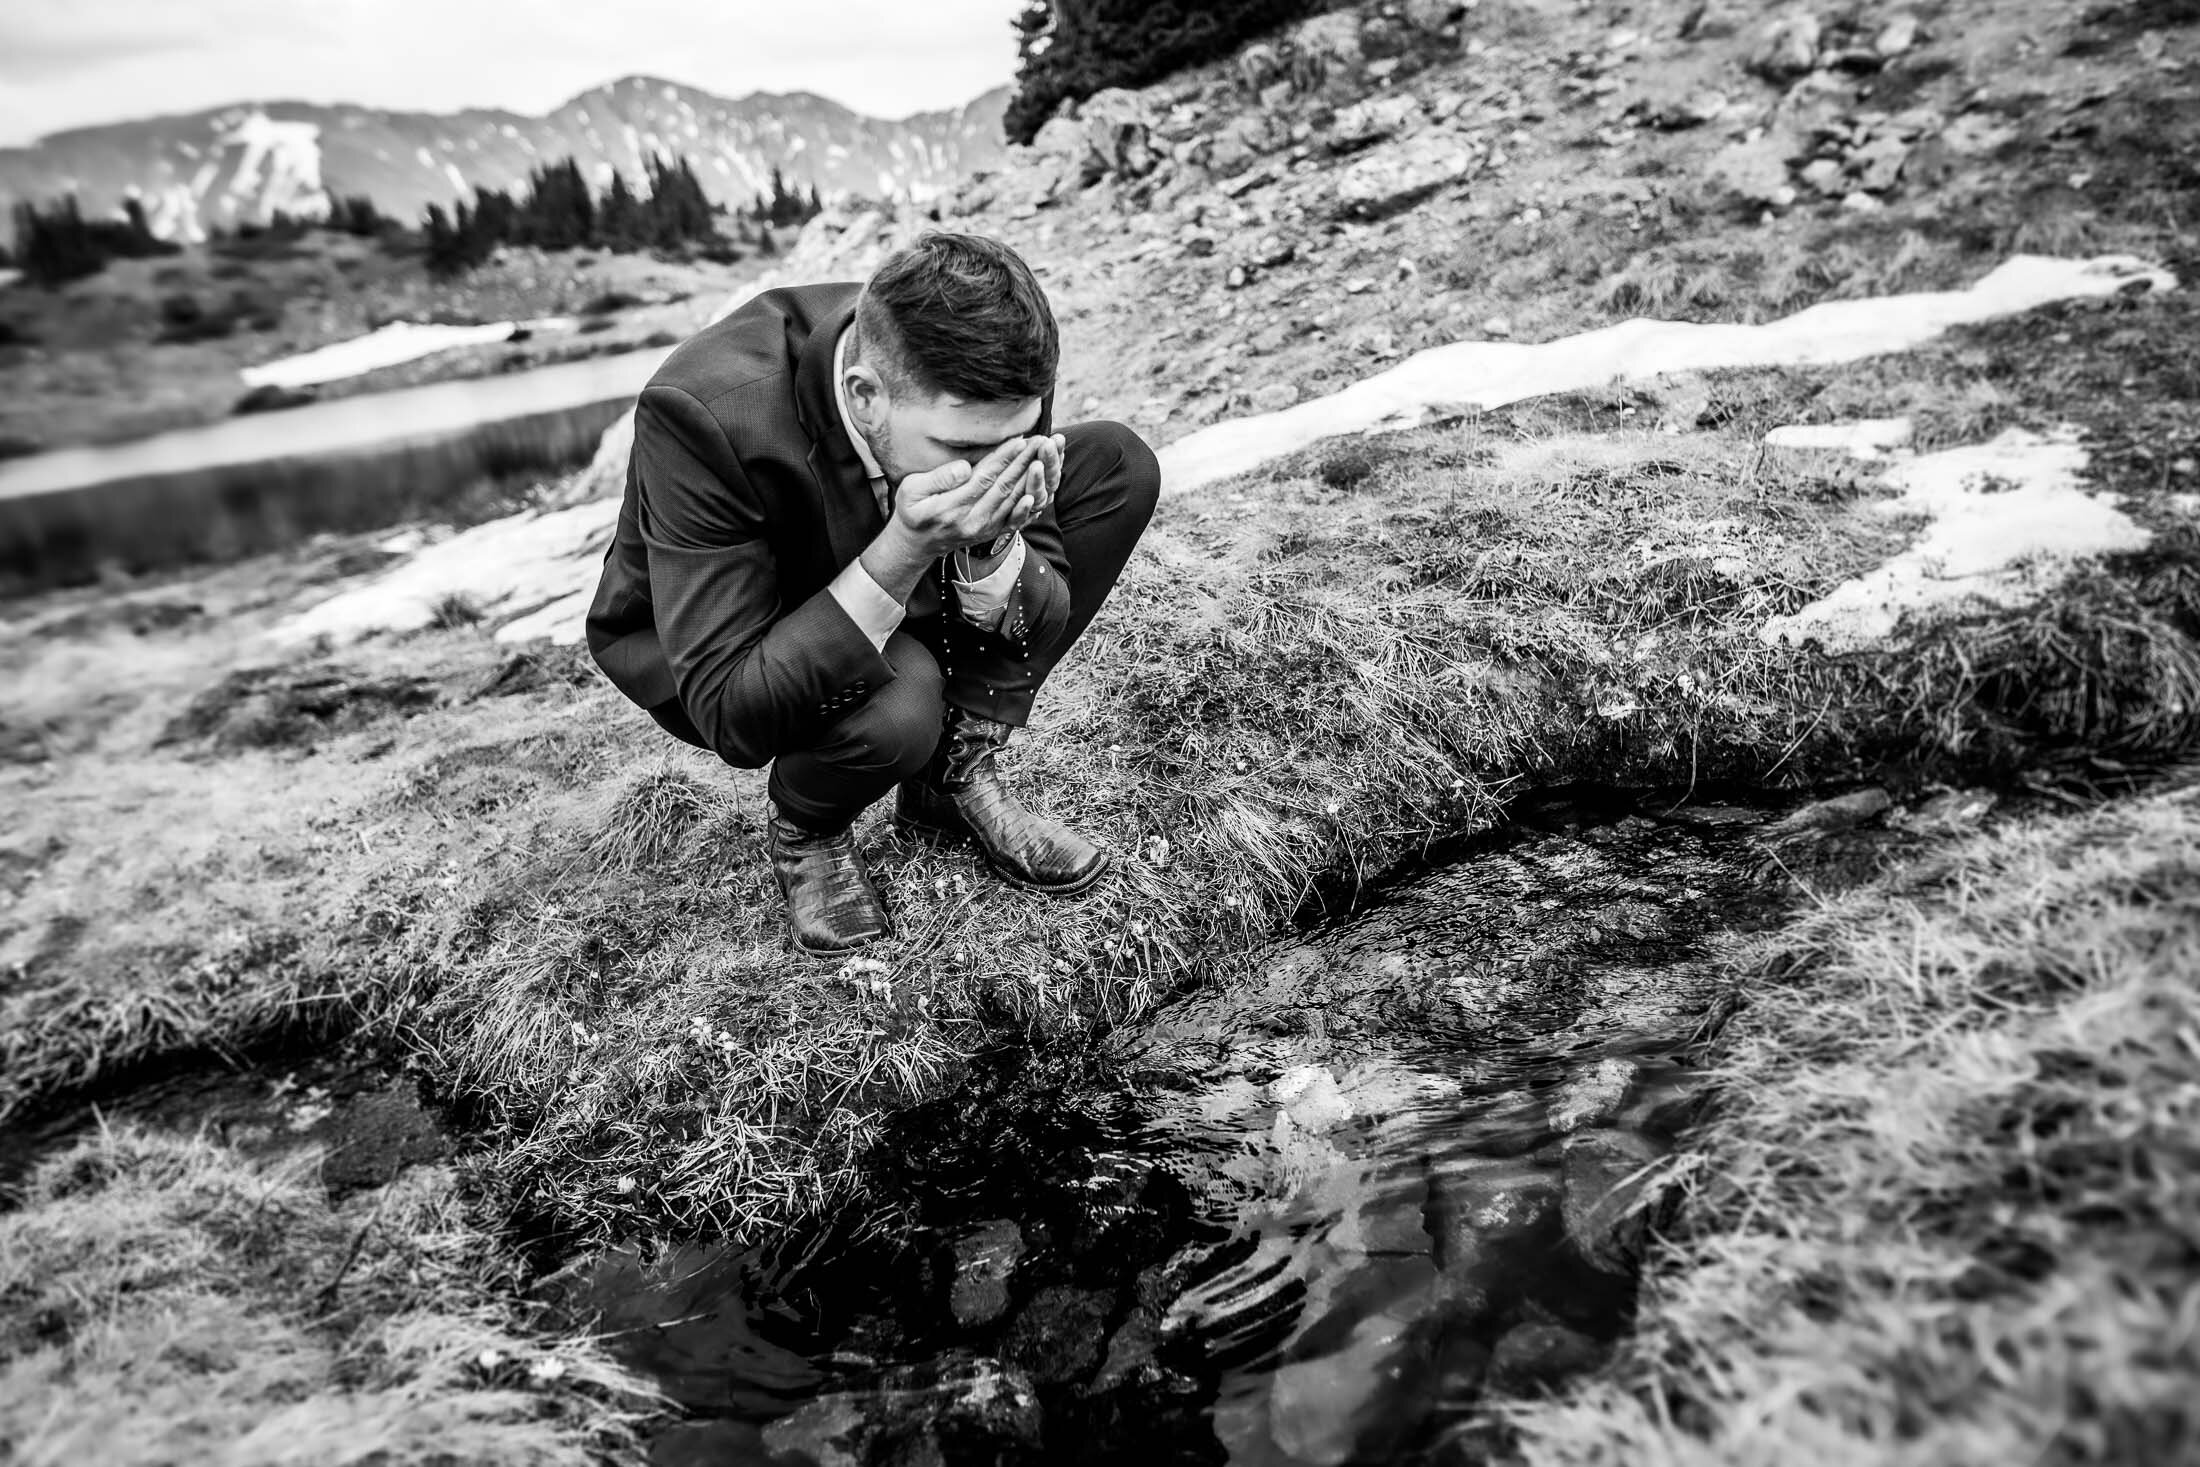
point(853, 547)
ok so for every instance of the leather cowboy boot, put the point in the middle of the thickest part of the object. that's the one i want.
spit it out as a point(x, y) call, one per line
point(831, 902)
point(961, 793)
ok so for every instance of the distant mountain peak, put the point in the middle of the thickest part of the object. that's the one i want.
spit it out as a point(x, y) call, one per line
point(242, 163)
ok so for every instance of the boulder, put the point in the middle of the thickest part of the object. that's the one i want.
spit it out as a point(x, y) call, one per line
point(1533, 1358)
point(1400, 174)
point(1060, 136)
point(1327, 50)
point(1787, 47)
point(1274, 397)
point(1608, 1183)
point(1119, 132)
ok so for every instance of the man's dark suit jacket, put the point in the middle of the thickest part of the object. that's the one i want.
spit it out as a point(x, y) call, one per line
point(744, 498)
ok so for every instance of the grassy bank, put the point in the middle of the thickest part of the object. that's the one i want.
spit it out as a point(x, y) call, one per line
point(1946, 1213)
point(167, 1300)
point(568, 925)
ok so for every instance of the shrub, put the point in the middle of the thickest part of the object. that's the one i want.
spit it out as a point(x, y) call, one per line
point(1069, 49)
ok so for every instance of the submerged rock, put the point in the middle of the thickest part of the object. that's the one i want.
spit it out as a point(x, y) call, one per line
point(1594, 1096)
point(957, 1410)
point(1059, 1335)
point(1608, 1186)
point(1537, 1357)
point(985, 1258)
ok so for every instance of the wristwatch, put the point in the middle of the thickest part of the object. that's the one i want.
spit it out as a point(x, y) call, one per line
point(999, 547)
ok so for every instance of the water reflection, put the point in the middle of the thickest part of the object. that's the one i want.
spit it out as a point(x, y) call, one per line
point(1307, 1219)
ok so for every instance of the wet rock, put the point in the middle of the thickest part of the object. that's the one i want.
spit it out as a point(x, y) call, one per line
point(985, 1260)
point(1486, 1216)
point(1398, 174)
point(1059, 1335)
point(1533, 1358)
point(1593, 1097)
point(956, 1410)
point(1787, 47)
point(1310, 1096)
point(1608, 1184)
point(1842, 812)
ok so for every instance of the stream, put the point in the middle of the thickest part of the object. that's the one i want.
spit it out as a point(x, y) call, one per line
point(1310, 1218)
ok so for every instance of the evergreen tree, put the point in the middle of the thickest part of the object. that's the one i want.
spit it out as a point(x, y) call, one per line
point(1068, 49)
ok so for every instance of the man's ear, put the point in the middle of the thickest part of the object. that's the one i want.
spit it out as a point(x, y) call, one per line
point(867, 398)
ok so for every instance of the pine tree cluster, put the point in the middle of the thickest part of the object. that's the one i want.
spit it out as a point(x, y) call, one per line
point(558, 211)
point(1068, 49)
point(58, 244)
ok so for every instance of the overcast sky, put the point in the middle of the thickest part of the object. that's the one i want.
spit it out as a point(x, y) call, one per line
point(69, 63)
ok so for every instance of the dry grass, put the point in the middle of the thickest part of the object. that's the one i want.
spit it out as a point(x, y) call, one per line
point(1947, 1213)
point(167, 1301)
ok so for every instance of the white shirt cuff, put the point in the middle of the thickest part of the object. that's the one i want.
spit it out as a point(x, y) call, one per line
point(867, 603)
point(983, 601)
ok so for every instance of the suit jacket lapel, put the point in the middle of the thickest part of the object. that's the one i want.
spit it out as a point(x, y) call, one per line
point(852, 519)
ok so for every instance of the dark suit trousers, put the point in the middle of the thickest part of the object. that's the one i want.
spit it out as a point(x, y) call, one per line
point(1107, 494)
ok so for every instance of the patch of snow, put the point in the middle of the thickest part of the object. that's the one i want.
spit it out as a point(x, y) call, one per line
point(1450, 381)
point(458, 179)
point(400, 341)
point(289, 154)
point(514, 564)
point(427, 159)
point(2004, 521)
point(1444, 381)
point(886, 186)
point(1869, 440)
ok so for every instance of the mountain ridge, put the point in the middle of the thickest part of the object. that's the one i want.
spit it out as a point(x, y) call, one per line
point(239, 163)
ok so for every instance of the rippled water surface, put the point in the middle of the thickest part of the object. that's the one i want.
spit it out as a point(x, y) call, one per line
point(1312, 1217)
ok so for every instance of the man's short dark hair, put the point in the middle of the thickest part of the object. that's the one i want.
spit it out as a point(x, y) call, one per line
point(960, 314)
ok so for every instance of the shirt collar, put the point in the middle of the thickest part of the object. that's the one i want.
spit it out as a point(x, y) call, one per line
point(840, 400)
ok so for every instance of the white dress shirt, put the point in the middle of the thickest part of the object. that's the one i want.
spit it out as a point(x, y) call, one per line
point(867, 603)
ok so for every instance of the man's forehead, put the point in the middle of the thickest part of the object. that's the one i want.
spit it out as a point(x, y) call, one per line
point(963, 420)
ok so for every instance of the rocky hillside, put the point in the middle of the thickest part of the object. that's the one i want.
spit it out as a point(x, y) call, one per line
point(1395, 176)
point(241, 163)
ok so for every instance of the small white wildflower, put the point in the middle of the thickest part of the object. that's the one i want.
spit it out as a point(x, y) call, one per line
point(550, 1367)
point(489, 1359)
point(626, 1184)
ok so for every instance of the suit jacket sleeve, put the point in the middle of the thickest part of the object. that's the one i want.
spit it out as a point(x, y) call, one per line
point(756, 681)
